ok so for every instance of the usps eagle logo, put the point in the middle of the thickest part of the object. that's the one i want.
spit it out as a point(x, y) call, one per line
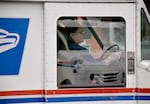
point(13, 32)
point(8, 40)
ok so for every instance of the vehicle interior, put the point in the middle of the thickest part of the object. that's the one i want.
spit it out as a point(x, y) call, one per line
point(102, 64)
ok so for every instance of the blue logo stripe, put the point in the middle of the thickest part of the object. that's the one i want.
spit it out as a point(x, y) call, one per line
point(74, 99)
point(21, 100)
point(91, 98)
point(143, 97)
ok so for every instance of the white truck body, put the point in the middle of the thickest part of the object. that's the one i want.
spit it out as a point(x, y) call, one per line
point(34, 70)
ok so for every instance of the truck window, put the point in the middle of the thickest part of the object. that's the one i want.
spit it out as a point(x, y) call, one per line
point(91, 52)
point(145, 37)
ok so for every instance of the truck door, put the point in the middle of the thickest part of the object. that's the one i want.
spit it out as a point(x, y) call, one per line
point(143, 51)
point(107, 56)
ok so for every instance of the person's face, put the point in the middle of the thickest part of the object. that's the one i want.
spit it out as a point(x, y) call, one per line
point(77, 36)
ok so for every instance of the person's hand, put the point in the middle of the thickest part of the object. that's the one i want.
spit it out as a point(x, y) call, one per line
point(113, 57)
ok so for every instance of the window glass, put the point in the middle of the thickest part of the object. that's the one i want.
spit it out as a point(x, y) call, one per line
point(147, 3)
point(90, 52)
point(145, 37)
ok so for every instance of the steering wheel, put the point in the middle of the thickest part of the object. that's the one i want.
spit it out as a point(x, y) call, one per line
point(110, 48)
